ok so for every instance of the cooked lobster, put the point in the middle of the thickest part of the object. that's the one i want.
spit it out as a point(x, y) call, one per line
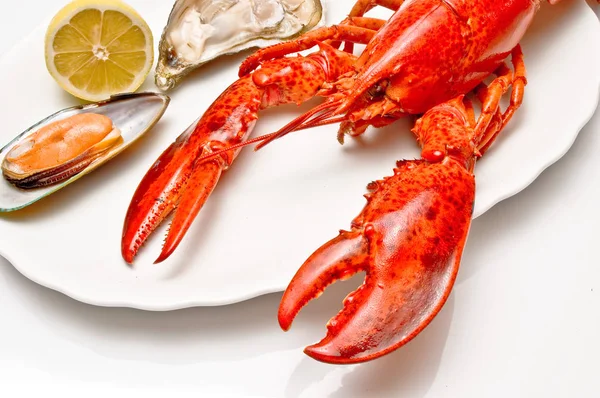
point(410, 236)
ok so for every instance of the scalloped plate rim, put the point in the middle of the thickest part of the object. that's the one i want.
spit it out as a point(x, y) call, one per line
point(178, 304)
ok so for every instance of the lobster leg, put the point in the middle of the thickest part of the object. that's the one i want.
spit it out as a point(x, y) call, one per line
point(354, 29)
point(361, 7)
point(365, 22)
point(180, 182)
point(355, 34)
point(409, 240)
point(371, 112)
point(490, 135)
point(518, 82)
point(499, 87)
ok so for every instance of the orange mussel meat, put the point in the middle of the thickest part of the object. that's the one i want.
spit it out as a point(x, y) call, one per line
point(60, 150)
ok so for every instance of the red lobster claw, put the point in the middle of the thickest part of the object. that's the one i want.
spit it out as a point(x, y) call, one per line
point(182, 178)
point(409, 239)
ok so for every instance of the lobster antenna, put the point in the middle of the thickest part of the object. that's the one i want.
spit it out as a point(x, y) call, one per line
point(235, 146)
point(303, 122)
point(320, 113)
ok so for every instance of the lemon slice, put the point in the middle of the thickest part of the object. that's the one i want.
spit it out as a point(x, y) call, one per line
point(98, 48)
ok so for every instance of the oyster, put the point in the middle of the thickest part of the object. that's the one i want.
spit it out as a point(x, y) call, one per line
point(199, 31)
point(72, 143)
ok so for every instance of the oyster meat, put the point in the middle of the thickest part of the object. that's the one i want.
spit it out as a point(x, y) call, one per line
point(71, 143)
point(201, 30)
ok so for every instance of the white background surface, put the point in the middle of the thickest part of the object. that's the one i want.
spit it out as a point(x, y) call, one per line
point(523, 319)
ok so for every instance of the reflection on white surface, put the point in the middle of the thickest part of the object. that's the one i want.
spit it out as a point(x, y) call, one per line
point(226, 346)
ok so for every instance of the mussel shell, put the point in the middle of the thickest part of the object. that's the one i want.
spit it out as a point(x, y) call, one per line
point(133, 114)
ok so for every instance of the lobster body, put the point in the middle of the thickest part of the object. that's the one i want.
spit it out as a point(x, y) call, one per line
point(428, 52)
point(433, 50)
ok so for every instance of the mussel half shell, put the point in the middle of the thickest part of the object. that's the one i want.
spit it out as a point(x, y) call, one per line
point(132, 114)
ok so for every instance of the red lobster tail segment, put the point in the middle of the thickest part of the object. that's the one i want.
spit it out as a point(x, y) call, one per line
point(409, 239)
point(178, 183)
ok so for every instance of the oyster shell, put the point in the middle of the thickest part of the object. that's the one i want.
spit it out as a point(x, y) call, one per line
point(199, 31)
point(130, 116)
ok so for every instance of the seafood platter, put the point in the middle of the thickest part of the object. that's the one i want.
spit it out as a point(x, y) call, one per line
point(207, 152)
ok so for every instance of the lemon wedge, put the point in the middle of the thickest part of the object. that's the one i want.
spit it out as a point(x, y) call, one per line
point(98, 48)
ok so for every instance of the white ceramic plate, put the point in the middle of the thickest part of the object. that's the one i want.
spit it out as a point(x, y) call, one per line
point(274, 207)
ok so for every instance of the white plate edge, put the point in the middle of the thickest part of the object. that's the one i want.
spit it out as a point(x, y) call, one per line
point(175, 305)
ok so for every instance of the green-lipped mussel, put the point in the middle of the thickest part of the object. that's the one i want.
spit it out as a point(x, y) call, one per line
point(72, 143)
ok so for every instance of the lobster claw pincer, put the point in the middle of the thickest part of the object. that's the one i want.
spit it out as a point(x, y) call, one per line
point(409, 240)
point(178, 182)
point(173, 184)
